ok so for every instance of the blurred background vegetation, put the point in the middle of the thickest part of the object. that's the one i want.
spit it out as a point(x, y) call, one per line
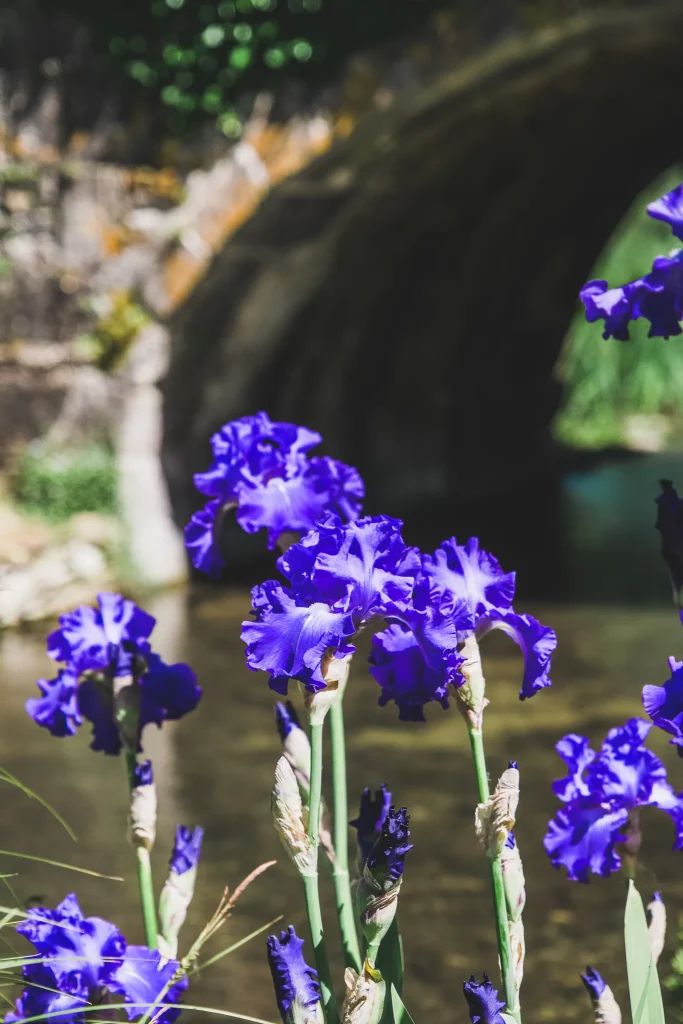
point(624, 393)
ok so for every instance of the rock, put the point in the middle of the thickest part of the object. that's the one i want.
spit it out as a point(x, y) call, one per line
point(85, 561)
point(94, 528)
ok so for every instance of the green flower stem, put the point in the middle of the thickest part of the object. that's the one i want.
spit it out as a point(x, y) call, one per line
point(315, 920)
point(340, 870)
point(145, 881)
point(496, 870)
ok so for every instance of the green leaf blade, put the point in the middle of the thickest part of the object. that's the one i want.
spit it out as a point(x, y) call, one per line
point(401, 1015)
point(643, 981)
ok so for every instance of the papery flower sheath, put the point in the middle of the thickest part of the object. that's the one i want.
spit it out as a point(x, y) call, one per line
point(599, 792)
point(107, 651)
point(460, 592)
point(263, 471)
point(297, 991)
point(482, 1001)
point(86, 959)
point(341, 575)
point(374, 809)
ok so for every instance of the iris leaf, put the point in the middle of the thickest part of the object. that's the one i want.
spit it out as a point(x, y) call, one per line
point(643, 981)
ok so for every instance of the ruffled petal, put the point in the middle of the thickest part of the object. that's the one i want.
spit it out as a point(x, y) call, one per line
point(42, 996)
point(282, 505)
point(577, 754)
point(469, 574)
point(416, 659)
point(362, 567)
point(582, 838)
point(123, 620)
point(669, 208)
point(664, 705)
point(289, 640)
point(95, 702)
point(483, 1002)
point(140, 979)
point(295, 983)
point(57, 710)
point(537, 643)
point(167, 691)
point(399, 666)
point(202, 538)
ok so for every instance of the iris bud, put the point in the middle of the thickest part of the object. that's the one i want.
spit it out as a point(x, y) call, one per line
point(142, 818)
point(605, 1006)
point(178, 890)
point(288, 817)
point(495, 818)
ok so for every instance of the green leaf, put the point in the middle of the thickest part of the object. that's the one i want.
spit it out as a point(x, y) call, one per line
point(401, 1015)
point(390, 958)
point(643, 981)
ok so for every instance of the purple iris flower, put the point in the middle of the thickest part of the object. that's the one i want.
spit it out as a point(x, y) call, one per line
point(187, 848)
point(340, 576)
point(386, 859)
point(104, 647)
point(263, 470)
point(85, 959)
point(296, 984)
point(664, 704)
point(670, 526)
point(460, 591)
point(600, 791)
point(374, 809)
point(657, 296)
point(483, 1002)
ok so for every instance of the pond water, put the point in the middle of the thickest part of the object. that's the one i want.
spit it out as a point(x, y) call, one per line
point(605, 593)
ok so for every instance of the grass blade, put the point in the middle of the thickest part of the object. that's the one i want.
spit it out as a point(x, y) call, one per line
point(59, 864)
point(234, 946)
point(12, 780)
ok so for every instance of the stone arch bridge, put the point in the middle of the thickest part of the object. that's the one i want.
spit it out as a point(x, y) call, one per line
point(408, 292)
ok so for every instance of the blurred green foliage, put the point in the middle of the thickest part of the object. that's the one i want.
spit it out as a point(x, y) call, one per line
point(203, 57)
point(57, 485)
point(606, 381)
point(109, 342)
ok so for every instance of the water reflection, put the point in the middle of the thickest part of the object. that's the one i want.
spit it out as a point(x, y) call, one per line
point(217, 766)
